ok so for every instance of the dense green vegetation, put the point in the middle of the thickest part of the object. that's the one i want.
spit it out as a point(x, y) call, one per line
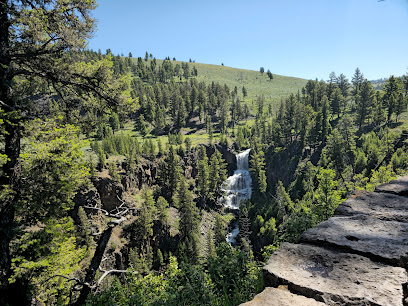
point(113, 167)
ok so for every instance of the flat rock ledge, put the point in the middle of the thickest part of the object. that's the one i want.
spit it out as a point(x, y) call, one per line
point(333, 277)
point(357, 257)
point(281, 297)
point(384, 241)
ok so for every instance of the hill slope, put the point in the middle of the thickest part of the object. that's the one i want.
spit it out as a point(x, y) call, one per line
point(255, 83)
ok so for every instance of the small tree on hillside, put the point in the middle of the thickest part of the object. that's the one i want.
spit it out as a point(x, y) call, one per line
point(244, 91)
point(141, 125)
point(269, 74)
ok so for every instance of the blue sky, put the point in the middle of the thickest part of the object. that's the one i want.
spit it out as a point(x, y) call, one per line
point(307, 39)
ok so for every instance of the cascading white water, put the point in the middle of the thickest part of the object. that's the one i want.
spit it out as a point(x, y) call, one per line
point(238, 187)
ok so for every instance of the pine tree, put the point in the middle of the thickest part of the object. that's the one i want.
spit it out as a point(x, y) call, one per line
point(327, 195)
point(217, 174)
point(202, 179)
point(357, 80)
point(258, 171)
point(144, 223)
point(114, 122)
point(392, 90)
point(344, 85)
point(92, 169)
point(189, 220)
point(364, 102)
point(38, 44)
point(163, 211)
point(244, 92)
point(400, 105)
point(159, 259)
point(336, 101)
point(84, 229)
point(169, 174)
point(141, 125)
point(325, 124)
point(270, 75)
point(336, 150)
point(113, 172)
point(284, 203)
point(219, 230)
point(379, 114)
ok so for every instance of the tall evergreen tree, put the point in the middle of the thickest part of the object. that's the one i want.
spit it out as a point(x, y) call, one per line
point(392, 89)
point(244, 92)
point(36, 40)
point(364, 102)
point(219, 230)
point(217, 174)
point(344, 85)
point(144, 224)
point(378, 111)
point(336, 101)
point(258, 171)
point(163, 211)
point(357, 80)
point(189, 220)
point(169, 174)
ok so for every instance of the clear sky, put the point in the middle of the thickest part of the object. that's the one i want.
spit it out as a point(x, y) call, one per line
point(307, 39)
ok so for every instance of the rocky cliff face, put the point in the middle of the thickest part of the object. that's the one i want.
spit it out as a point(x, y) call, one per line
point(357, 257)
point(227, 155)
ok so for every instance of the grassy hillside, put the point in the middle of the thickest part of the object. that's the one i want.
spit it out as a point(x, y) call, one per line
point(255, 83)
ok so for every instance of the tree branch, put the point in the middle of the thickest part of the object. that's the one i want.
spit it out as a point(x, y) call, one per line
point(112, 271)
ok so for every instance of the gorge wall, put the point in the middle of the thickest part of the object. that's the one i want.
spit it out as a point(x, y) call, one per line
point(357, 257)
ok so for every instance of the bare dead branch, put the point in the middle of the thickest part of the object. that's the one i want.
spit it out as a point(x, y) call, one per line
point(106, 272)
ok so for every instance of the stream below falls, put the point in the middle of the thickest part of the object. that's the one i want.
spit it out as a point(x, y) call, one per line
point(237, 187)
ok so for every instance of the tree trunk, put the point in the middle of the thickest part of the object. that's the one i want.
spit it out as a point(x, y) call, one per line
point(9, 177)
point(96, 261)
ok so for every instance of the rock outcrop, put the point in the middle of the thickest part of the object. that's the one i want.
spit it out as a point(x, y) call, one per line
point(357, 257)
point(227, 155)
point(110, 193)
point(281, 297)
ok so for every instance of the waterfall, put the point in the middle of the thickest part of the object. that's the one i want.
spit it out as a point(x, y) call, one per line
point(238, 187)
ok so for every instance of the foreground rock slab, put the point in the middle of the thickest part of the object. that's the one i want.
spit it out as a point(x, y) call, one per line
point(379, 240)
point(280, 297)
point(398, 186)
point(382, 206)
point(333, 277)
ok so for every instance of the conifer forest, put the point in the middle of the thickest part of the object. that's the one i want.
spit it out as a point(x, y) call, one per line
point(130, 180)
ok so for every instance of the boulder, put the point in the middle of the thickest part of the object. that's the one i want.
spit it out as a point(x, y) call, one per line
point(333, 277)
point(383, 206)
point(280, 297)
point(398, 186)
point(377, 239)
